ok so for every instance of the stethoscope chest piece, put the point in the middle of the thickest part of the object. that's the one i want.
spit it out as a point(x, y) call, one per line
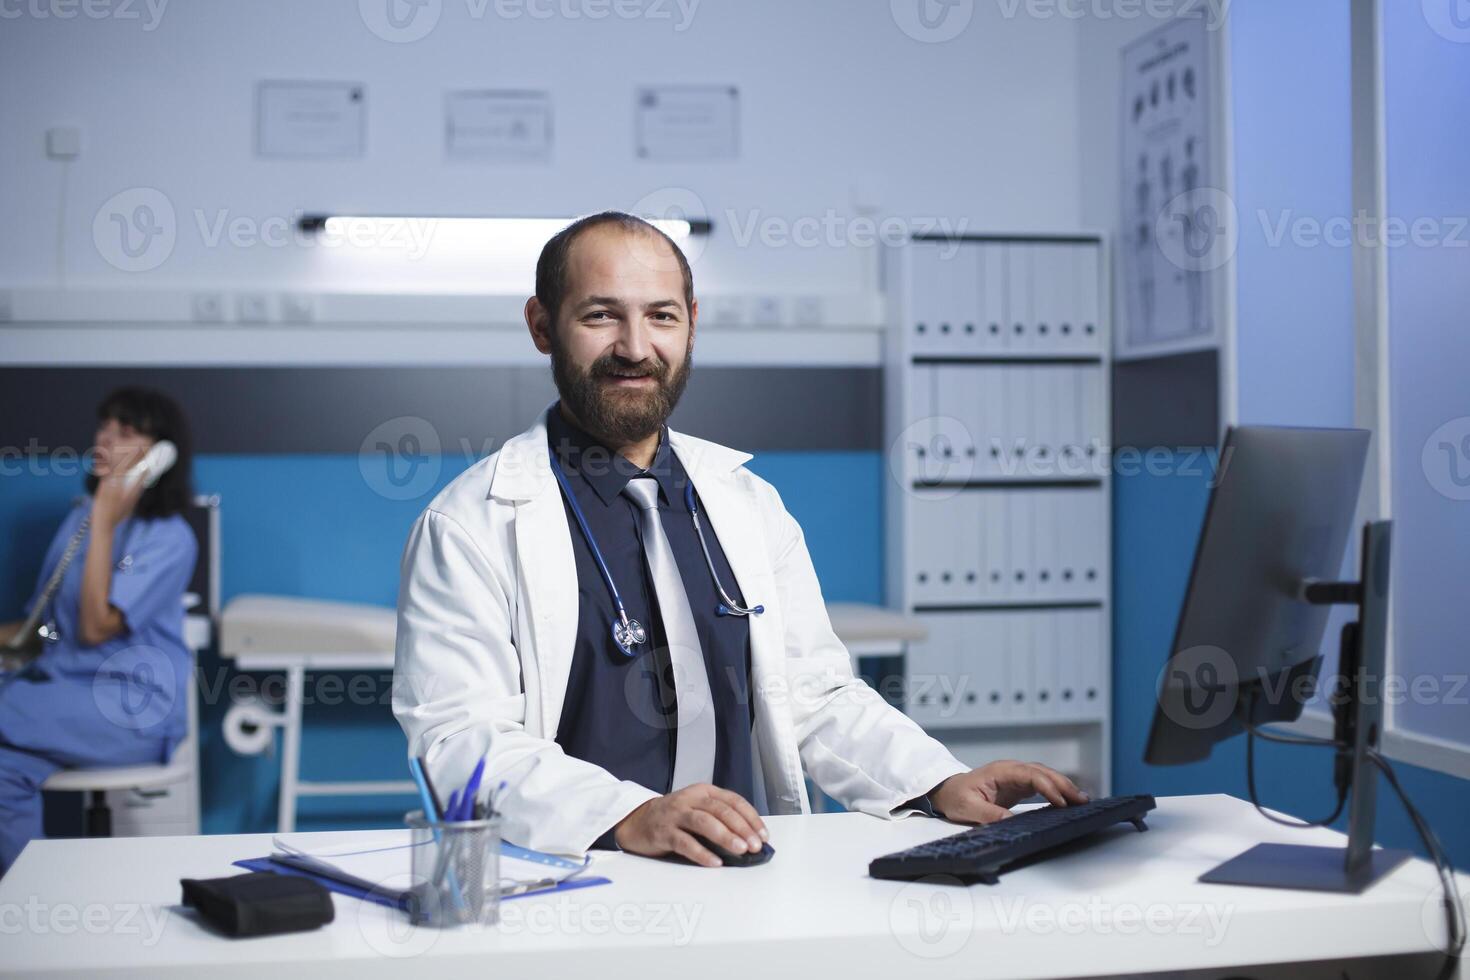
point(628, 635)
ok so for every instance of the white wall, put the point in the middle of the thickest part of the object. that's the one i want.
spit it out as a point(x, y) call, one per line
point(981, 130)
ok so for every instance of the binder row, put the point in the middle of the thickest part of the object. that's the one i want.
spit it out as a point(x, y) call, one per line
point(989, 544)
point(1004, 666)
point(1026, 298)
point(1007, 421)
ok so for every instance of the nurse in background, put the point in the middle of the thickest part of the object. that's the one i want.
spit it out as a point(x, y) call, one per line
point(109, 687)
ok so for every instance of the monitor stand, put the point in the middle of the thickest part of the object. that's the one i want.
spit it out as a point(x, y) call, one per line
point(1302, 866)
point(1358, 718)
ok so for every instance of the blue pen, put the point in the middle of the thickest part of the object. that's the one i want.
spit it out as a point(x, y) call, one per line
point(495, 796)
point(467, 801)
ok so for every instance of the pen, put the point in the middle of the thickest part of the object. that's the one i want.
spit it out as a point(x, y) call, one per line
point(467, 801)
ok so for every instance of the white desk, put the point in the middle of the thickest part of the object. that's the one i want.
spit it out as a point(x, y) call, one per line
point(1130, 904)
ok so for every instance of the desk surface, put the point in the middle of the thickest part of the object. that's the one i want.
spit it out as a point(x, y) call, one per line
point(1129, 902)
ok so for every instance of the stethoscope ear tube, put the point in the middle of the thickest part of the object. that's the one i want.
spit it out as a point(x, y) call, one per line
point(726, 606)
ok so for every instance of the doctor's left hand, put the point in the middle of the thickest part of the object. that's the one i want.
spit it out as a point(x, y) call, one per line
point(986, 795)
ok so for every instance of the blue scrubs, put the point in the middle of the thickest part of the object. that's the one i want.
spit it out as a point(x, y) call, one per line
point(120, 703)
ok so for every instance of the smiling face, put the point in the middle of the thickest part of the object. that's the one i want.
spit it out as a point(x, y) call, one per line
point(622, 344)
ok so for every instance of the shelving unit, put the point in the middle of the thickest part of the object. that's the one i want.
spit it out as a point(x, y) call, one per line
point(998, 498)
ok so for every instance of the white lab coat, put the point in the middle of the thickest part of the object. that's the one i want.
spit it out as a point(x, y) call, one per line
point(487, 620)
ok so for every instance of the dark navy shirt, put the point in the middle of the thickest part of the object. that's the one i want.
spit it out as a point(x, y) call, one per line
point(620, 714)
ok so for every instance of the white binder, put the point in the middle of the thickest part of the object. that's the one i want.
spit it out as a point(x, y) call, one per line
point(1092, 547)
point(1020, 658)
point(993, 298)
point(968, 566)
point(929, 548)
point(916, 417)
point(1019, 303)
point(1092, 670)
point(1020, 429)
point(956, 398)
point(1045, 381)
point(929, 298)
point(993, 425)
point(926, 663)
point(1093, 414)
point(1050, 284)
point(994, 544)
point(1071, 463)
point(1089, 311)
point(1071, 680)
point(964, 271)
point(1020, 549)
point(985, 666)
point(1048, 507)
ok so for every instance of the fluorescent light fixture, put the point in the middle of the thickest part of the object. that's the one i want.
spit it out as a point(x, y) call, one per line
point(506, 231)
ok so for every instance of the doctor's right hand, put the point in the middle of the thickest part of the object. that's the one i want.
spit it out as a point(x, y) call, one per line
point(666, 825)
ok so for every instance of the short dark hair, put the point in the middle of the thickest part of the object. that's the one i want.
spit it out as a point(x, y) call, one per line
point(156, 415)
point(551, 267)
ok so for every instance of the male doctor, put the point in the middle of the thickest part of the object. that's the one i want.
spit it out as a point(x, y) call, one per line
point(642, 675)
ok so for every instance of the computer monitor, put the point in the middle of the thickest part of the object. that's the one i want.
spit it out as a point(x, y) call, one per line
point(1247, 646)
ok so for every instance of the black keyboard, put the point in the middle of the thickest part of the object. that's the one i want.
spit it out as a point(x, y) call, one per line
point(981, 853)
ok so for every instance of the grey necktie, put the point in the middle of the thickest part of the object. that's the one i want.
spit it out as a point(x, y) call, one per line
point(694, 749)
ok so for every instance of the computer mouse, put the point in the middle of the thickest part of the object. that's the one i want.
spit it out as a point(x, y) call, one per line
point(746, 859)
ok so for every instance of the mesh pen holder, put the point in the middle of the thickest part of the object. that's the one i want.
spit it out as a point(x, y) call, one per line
point(456, 871)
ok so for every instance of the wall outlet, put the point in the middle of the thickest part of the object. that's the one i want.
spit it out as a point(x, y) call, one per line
point(63, 142)
point(806, 311)
point(298, 308)
point(209, 307)
point(252, 308)
point(727, 311)
point(766, 311)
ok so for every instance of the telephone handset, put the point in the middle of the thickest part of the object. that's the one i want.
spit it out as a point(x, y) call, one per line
point(156, 462)
point(27, 640)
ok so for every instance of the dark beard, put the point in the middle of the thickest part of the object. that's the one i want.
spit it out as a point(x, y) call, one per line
point(619, 418)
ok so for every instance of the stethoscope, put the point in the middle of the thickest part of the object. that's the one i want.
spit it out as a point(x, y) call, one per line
point(628, 633)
